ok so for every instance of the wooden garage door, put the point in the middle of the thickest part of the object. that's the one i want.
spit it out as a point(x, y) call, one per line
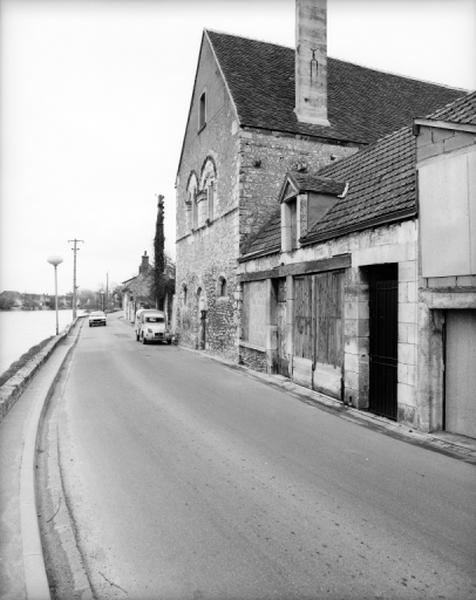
point(460, 405)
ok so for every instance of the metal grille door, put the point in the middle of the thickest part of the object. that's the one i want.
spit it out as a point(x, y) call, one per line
point(383, 323)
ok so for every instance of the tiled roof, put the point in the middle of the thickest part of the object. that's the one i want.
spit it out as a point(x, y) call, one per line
point(363, 104)
point(461, 111)
point(382, 189)
point(268, 238)
point(308, 182)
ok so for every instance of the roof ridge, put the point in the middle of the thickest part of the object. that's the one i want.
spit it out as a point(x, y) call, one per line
point(444, 107)
point(399, 75)
point(250, 39)
point(341, 60)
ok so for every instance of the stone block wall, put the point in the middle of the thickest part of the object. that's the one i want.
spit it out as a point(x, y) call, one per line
point(356, 339)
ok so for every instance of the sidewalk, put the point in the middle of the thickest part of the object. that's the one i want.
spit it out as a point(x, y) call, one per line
point(18, 433)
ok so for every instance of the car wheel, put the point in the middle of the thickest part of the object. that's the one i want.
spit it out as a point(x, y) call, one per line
point(137, 337)
point(144, 341)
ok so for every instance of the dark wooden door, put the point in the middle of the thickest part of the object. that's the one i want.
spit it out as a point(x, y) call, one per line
point(383, 324)
point(303, 317)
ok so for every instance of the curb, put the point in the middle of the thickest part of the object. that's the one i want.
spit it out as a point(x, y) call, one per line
point(36, 582)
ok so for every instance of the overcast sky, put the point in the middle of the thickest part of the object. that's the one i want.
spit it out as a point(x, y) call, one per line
point(95, 96)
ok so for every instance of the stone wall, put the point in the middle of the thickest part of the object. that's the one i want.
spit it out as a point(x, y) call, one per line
point(204, 259)
point(266, 157)
point(218, 140)
point(210, 251)
point(253, 358)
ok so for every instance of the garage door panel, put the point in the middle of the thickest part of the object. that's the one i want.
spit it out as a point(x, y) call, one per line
point(460, 406)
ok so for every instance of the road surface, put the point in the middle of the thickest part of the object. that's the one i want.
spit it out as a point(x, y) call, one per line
point(189, 479)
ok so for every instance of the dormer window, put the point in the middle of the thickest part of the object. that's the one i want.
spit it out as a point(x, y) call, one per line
point(202, 111)
point(289, 223)
point(305, 200)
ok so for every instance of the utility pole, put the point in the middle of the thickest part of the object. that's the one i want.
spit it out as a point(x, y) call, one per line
point(75, 250)
point(107, 289)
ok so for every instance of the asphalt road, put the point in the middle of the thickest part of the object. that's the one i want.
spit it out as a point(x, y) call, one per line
point(189, 479)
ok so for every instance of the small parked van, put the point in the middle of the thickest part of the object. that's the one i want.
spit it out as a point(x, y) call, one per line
point(151, 326)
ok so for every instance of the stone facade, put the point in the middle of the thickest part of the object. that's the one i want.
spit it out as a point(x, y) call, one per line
point(265, 159)
point(397, 244)
point(250, 166)
point(206, 252)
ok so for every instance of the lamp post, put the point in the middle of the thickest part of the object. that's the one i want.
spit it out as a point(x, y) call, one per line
point(55, 261)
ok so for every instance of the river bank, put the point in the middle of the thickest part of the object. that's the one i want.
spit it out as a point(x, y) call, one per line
point(22, 329)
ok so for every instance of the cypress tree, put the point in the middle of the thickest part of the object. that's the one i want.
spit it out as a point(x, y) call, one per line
point(159, 256)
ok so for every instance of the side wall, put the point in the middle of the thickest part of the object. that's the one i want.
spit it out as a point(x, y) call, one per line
point(440, 150)
point(209, 252)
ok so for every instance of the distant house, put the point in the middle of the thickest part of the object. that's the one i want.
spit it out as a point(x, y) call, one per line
point(259, 111)
point(138, 291)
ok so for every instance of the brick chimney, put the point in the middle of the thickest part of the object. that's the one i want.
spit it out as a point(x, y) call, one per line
point(144, 266)
point(311, 62)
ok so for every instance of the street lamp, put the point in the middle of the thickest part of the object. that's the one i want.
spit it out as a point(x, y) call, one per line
point(55, 261)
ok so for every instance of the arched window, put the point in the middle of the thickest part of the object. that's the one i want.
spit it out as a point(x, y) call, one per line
point(222, 287)
point(202, 111)
point(191, 201)
point(184, 294)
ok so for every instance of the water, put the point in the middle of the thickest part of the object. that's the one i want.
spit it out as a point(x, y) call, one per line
point(20, 330)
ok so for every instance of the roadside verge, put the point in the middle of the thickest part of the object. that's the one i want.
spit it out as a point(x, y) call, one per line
point(19, 485)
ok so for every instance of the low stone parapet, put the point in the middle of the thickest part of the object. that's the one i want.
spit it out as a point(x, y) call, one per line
point(12, 389)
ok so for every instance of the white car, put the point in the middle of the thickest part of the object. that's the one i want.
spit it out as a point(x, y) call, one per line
point(98, 317)
point(151, 326)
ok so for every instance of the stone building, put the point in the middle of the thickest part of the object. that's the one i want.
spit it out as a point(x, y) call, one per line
point(362, 285)
point(258, 111)
point(137, 292)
